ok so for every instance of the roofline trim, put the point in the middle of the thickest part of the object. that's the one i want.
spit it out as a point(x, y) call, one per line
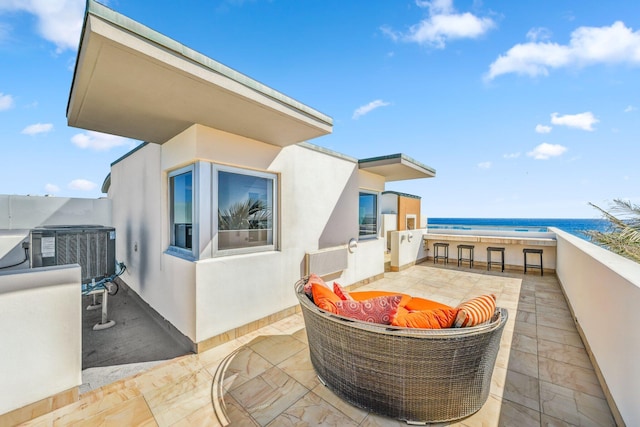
point(402, 157)
point(127, 24)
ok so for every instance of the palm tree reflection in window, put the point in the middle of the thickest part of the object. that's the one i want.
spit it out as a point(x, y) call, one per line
point(251, 222)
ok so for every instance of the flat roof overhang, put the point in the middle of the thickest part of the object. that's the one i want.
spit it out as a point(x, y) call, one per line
point(396, 167)
point(134, 82)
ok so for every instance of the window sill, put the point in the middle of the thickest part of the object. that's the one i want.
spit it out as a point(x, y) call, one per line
point(184, 254)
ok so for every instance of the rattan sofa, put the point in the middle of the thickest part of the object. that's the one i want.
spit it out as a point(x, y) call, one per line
point(415, 375)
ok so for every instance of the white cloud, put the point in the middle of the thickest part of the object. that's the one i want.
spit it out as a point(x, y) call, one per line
point(545, 151)
point(630, 108)
point(484, 165)
point(59, 21)
point(538, 33)
point(389, 32)
point(37, 128)
point(584, 121)
point(588, 46)
point(51, 188)
point(436, 6)
point(99, 141)
point(365, 109)
point(511, 155)
point(543, 129)
point(82, 185)
point(442, 25)
point(6, 101)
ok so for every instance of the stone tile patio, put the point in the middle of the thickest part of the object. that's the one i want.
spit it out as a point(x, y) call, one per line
point(542, 377)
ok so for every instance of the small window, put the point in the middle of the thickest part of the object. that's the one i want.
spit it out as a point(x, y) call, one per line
point(411, 222)
point(246, 210)
point(368, 214)
point(181, 207)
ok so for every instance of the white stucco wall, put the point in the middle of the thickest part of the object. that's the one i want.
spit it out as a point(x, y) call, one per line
point(318, 209)
point(27, 212)
point(389, 203)
point(389, 224)
point(41, 334)
point(603, 290)
point(20, 214)
point(407, 247)
point(140, 215)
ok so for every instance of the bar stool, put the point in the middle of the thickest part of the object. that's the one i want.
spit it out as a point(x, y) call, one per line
point(461, 258)
point(436, 252)
point(532, 251)
point(489, 262)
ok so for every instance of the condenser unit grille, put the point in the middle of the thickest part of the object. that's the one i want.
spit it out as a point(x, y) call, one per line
point(87, 249)
point(93, 248)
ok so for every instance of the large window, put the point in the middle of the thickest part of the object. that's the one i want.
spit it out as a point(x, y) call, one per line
point(181, 208)
point(368, 214)
point(246, 210)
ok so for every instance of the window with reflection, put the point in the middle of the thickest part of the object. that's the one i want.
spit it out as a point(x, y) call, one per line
point(181, 211)
point(368, 214)
point(246, 210)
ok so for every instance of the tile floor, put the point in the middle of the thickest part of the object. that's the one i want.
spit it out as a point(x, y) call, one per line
point(542, 377)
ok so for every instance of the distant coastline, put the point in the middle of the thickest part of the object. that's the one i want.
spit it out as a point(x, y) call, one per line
point(575, 226)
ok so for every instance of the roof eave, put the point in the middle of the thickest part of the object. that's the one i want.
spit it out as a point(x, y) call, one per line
point(397, 167)
point(135, 82)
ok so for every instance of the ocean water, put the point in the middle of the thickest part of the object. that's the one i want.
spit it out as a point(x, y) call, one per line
point(575, 226)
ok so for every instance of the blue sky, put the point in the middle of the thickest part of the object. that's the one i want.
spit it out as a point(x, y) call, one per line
point(525, 109)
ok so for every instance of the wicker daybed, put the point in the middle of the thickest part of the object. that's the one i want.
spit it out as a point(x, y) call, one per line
point(415, 375)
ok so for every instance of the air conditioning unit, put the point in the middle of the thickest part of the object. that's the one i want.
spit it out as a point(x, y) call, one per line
point(93, 247)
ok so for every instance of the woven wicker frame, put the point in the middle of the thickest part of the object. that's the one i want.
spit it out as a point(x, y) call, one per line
point(415, 375)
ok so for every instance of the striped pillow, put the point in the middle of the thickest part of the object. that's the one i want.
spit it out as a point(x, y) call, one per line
point(475, 311)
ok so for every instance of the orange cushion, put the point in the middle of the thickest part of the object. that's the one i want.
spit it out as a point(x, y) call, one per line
point(364, 295)
point(339, 290)
point(420, 304)
point(476, 311)
point(313, 278)
point(375, 310)
point(437, 318)
point(324, 297)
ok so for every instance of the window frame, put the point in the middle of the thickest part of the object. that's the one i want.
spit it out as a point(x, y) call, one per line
point(178, 250)
point(374, 235)
point(275, 215)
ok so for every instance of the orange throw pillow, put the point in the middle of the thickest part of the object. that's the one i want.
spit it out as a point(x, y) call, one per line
point(437, 318)
point(324, 298)
point(339, 290)
point(475, 311)
point(313, 278)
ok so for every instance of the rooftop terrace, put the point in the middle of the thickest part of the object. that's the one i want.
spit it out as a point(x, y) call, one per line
point(543, 375)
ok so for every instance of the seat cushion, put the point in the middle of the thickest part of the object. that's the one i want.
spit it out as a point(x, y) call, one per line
point(419, 304)
point(365, 295)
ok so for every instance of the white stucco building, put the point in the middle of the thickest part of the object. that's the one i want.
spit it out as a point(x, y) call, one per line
point(224, 206)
